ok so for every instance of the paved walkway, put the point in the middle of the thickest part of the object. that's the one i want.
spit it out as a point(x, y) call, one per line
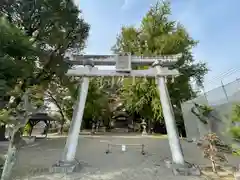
point(142, 172)
point(34, 161)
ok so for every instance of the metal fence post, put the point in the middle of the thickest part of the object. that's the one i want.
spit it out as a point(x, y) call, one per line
point(224, 90)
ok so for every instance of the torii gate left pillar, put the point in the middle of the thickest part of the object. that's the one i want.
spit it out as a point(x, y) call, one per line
point(68, 162)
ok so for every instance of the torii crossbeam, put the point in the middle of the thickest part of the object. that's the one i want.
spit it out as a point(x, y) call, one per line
point(151, 72)
point(159, 68)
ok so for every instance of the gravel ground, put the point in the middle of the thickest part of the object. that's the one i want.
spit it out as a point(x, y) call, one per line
point(34, 160)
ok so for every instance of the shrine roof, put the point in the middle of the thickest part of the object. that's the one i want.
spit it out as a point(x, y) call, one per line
point(40, 116)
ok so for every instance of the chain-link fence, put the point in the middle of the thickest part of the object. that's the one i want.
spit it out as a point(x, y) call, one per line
point(222, 100)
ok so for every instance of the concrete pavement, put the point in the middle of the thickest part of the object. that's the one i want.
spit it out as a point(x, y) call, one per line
point(34, 161)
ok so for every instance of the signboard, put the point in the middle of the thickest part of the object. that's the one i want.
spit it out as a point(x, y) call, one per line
point(123, 63)
point(123, 148)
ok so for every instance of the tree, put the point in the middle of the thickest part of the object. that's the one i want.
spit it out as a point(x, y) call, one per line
point(59, 93)
point(212, 150)
point(158, 35)
point(44, 31)
point(63, 93)
point(53, 37)
point(14, 44)
point(97, 106)
point(99, 103)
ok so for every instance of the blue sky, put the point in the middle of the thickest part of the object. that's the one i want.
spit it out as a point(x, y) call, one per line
point(214, 23)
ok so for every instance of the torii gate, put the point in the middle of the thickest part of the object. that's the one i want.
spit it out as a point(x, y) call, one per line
point(158, 69)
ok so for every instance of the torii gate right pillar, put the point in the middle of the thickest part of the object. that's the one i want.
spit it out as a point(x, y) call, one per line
point(173, 138)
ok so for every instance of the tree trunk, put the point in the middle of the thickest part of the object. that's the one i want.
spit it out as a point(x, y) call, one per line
point(62, 121)
point(93, 128)
point(30, 130)
point(10, 161)
point(2, 132)
point(149, 126)
point(213, 165)
point(61, 127)
point(15, 141)
point(212, 160)
point(97, 126)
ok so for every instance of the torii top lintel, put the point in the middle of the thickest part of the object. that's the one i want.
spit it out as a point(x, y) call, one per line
point(110, 60)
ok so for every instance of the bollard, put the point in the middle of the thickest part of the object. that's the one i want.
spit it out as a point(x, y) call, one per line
point(123, 148)
point(108, 149)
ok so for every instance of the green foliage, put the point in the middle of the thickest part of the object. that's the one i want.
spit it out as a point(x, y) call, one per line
point(14, 44)
point(59, 93)
point(144, 98)
point(235, 129)
point(26, 129)
point(37, 35)
point(206, 110)
point(37, 96)
point(202, 112)
point(4, 116)
point(236, 114)
point(158, 35)
point(63, 94)
point(236, 152)
point(97, 100)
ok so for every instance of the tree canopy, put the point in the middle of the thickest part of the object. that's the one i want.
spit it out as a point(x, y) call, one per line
point(35, 38)
point(158, 35)
point(45, 31)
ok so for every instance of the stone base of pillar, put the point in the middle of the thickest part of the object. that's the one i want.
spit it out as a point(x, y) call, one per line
point(183, 170)
point(66, 167)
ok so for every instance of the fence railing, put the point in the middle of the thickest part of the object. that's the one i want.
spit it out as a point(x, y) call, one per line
point(223, 94)
point(221, 99)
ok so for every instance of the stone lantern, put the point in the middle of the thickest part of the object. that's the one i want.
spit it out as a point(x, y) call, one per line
point(144, 125)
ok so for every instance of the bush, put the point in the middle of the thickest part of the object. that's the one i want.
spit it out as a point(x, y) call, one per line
point(27, 129)
point(65, 129)
point(206, 110)
point(235, 129)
